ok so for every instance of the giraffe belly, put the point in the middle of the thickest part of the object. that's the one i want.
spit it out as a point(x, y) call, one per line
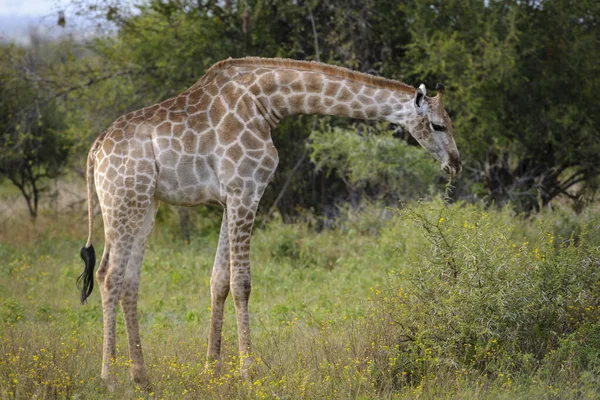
point(188, 182)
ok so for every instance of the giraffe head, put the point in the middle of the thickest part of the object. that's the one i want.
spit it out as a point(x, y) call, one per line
point(429, 123)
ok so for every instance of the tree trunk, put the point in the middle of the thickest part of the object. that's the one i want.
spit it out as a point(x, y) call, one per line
point(185, 223)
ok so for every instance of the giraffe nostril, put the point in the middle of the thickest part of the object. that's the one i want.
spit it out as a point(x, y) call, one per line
point(458, 168)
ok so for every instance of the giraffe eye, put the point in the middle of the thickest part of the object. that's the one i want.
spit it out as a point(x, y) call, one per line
point(438, 128)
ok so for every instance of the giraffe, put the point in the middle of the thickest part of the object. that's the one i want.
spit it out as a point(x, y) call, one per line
point(212, 144)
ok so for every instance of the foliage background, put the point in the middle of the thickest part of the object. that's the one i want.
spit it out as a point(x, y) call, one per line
point(522, 78)
point(488, 288)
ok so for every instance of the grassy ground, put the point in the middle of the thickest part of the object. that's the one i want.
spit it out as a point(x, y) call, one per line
point(338, 314)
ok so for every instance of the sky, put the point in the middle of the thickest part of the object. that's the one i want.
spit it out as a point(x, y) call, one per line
point(17, 17)
point(27, 8)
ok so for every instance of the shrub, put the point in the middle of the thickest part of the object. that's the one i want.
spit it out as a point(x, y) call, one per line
point(473, 293)
point(375, 164)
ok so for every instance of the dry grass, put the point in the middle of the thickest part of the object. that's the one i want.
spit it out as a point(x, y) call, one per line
point(320, 310)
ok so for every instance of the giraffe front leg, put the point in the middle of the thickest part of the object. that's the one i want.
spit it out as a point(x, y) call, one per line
point(219, 289)
point(240, 222)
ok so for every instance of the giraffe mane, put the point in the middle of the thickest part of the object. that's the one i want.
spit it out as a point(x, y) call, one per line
point(340, 72)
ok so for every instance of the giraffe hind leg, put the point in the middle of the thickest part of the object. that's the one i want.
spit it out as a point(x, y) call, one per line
point(110, 281)
point(123, 228)
point(129, 297)
point(219, 289)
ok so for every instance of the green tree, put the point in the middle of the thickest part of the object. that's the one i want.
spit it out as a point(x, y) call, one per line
point(33, 147)
point(168, 45)
point(522, 79)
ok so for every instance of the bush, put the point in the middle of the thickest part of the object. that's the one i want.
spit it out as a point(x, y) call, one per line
point(474, 293)
point(375, 164)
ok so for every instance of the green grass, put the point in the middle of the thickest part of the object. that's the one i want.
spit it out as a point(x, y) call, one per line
point(436, 302)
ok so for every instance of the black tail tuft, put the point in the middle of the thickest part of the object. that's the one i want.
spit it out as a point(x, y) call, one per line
point(85, 282)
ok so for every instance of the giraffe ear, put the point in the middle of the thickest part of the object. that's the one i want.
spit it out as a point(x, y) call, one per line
point(420, 104)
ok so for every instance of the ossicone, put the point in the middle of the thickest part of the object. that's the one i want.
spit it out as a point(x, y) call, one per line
point(440, 87)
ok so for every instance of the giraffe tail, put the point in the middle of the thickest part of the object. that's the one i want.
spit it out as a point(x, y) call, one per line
point(85, 281)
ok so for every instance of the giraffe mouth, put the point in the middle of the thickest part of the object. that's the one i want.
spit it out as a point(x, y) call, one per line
point(452, 167)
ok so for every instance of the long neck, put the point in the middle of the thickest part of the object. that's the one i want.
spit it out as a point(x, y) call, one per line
point(281, 92)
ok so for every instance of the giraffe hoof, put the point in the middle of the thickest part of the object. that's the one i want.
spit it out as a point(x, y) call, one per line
point(111, 383)
point(142, 381)
point(246, 368)
point(144, 384)
point(212, 367)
